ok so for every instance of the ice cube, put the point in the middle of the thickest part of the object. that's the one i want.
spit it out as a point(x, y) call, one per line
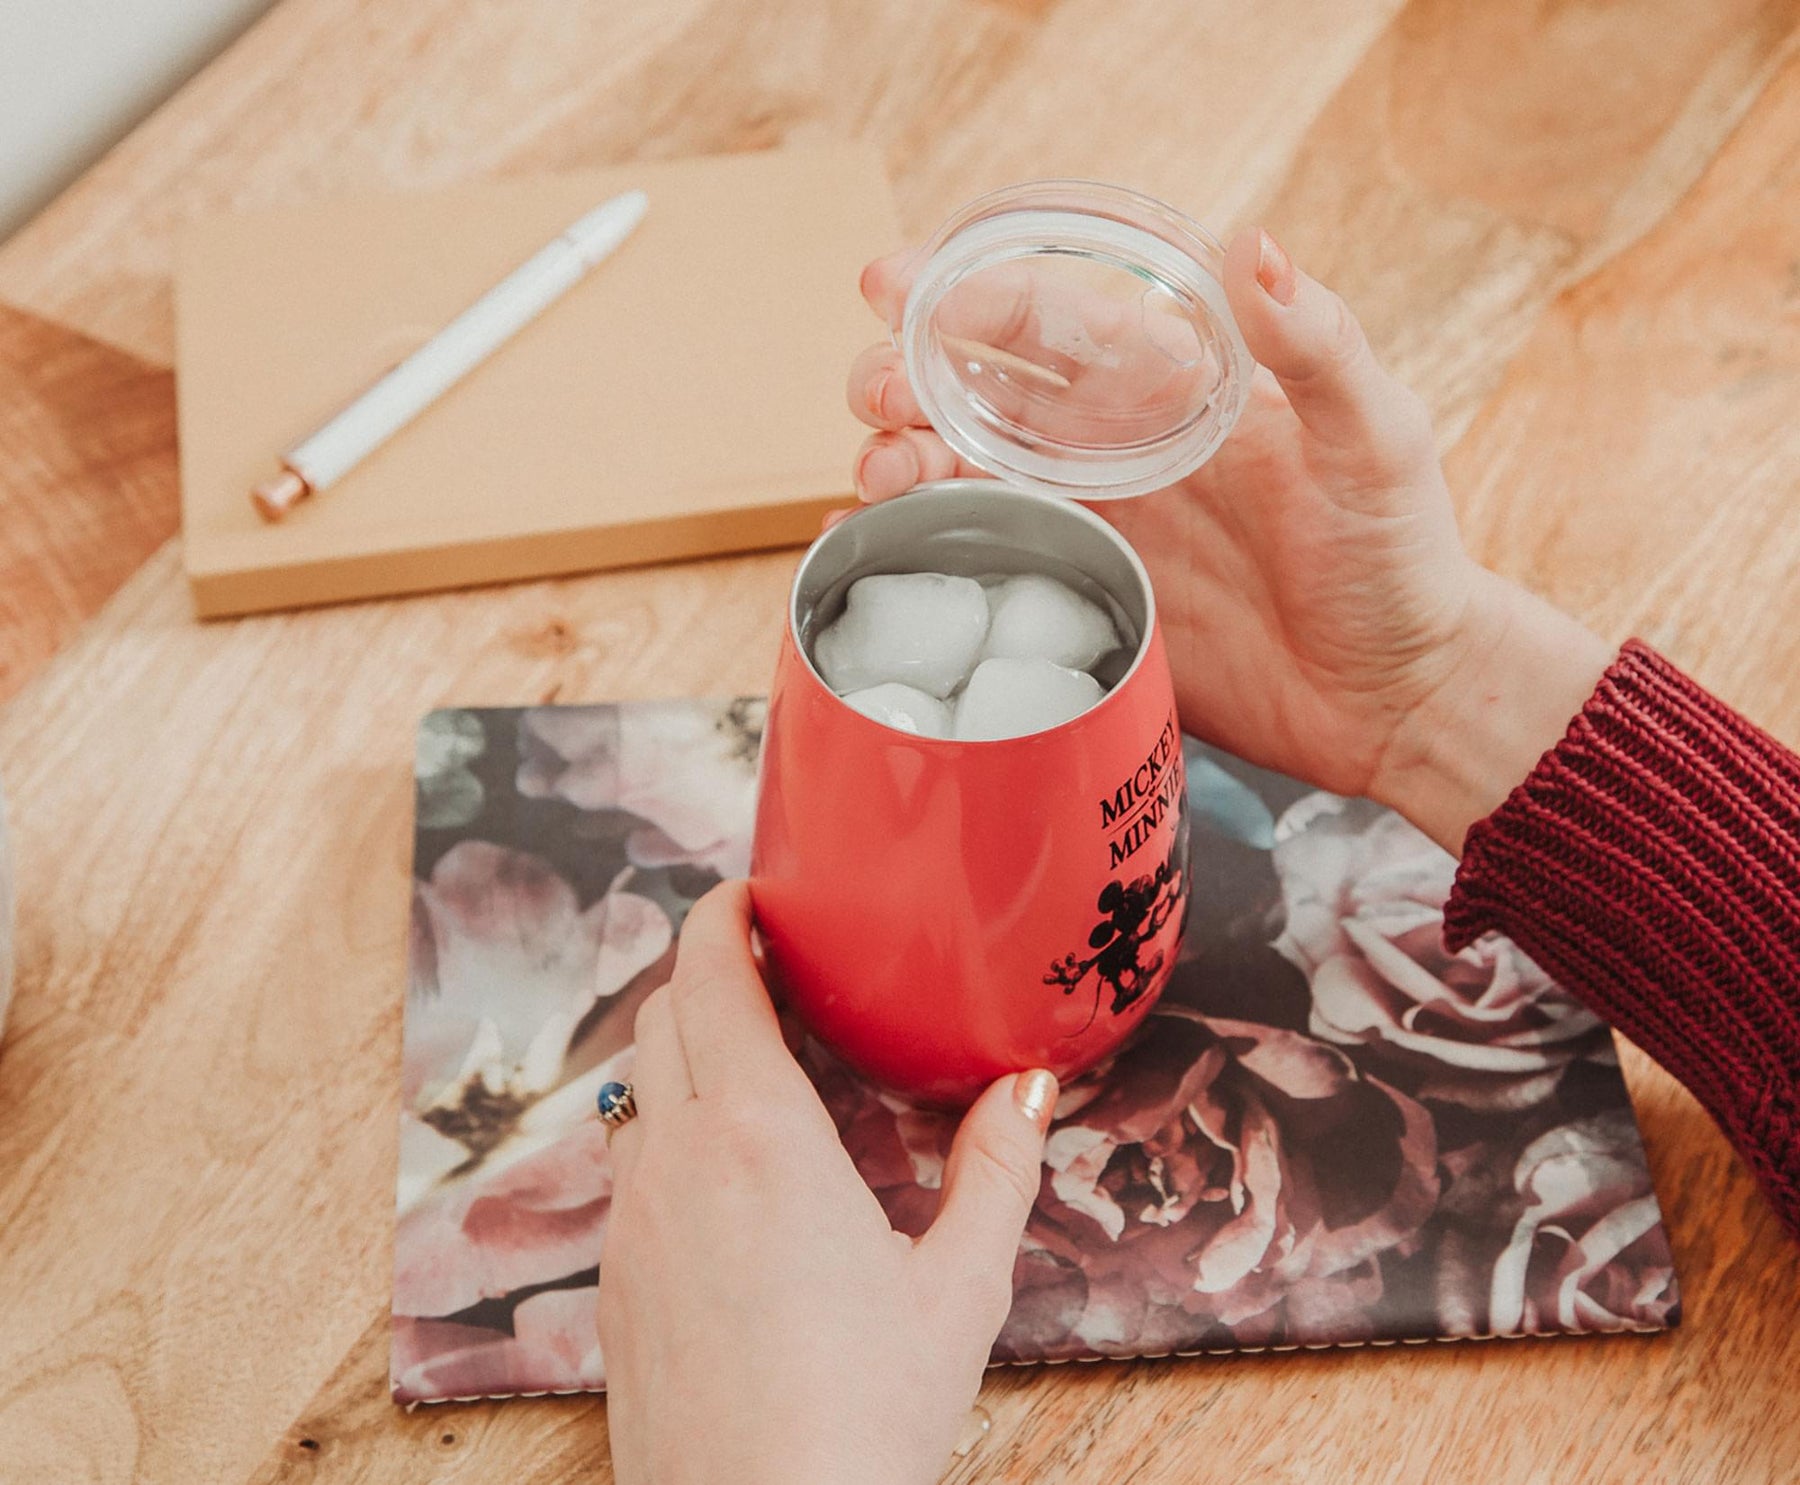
point(1036, 617)
point(1010, 698)
point(922, 629)
point(901, 706)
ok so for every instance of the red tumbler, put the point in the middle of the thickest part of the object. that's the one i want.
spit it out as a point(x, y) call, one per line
point(940, 912)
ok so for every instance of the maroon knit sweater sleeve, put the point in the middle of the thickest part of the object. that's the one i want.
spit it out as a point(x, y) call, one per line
point(1651, 864)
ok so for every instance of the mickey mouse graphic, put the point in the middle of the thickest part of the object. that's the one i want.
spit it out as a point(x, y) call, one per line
point(1135, 913)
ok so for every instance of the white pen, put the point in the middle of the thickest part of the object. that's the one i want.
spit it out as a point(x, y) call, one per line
point(324, 457)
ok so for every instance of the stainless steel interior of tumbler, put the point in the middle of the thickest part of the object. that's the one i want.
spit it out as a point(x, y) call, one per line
point(975, 528)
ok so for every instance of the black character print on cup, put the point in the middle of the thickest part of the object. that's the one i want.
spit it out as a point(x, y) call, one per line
point(1134, 913)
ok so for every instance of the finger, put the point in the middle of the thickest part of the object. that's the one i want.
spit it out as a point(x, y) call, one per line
point(659, 1077)
point(622, 1148)
point(879, 393)
point(990, 1183)
point(832, 517)
point(1307, 336)
point(886, 283)
point(722, 1008)
point(892, 463)
point(1000, 309)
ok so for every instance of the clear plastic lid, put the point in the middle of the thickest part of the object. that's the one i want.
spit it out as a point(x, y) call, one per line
point(1074, 339)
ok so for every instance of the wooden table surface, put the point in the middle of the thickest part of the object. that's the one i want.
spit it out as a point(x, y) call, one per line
point(1575, 227)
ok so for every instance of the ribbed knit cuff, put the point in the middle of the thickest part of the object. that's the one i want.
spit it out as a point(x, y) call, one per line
point(1651, 864)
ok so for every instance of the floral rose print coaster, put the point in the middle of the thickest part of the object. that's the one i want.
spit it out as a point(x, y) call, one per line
point(1330, 1132)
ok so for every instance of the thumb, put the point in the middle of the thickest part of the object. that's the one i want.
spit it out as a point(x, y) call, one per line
point(1307, 336)
point(990, 1183)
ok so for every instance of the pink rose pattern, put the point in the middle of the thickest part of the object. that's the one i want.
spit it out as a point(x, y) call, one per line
point(1329, 1131)
point(1363, 894)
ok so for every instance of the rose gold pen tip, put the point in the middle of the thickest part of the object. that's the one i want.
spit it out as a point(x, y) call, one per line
point(274, 498)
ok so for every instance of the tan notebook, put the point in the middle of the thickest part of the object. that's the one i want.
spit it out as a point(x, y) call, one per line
point(685, 398)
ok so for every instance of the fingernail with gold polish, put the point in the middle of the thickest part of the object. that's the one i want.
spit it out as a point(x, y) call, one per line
point(1275, 270)
point(1035, 1094)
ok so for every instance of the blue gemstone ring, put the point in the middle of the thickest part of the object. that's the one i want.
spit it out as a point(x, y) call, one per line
point(618, 1106)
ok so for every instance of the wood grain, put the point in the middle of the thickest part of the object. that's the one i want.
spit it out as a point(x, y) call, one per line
point(1575, 227)
point(87, 482)
point(1640, 465)
point(1464, 175)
